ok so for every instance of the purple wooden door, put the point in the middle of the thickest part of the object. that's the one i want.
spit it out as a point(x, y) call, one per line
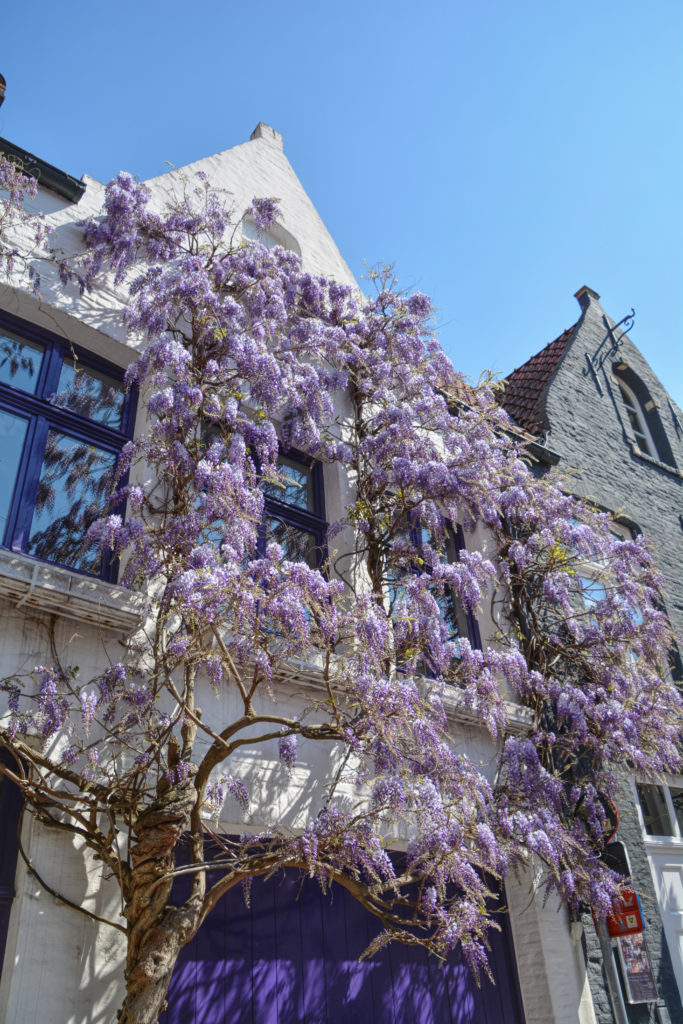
point(293, 958)
point(10, 809)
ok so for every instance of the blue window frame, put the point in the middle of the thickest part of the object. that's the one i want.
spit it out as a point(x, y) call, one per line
point(64, 417)
point(295, 510)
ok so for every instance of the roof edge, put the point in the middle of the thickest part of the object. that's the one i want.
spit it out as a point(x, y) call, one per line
point(47, 175)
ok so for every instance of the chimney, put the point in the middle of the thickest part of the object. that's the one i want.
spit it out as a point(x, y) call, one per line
point(584, 296)
point(264, 131)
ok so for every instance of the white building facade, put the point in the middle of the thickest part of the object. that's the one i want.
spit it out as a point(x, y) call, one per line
point(60, 966)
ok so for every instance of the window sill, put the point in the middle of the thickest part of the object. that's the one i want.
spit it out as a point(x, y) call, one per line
point(662, 844)
point(308, 675)
point(655, 462)
point(37, 585)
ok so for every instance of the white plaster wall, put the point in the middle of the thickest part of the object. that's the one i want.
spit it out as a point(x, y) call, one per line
point(259, 168)
point(550, 962)
point(61, 967)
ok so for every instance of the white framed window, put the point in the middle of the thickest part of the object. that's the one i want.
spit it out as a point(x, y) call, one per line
point(661, 809)
point(637, 420)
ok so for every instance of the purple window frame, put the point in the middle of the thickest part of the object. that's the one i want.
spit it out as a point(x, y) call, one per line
point(311, 521)
point(42, 415)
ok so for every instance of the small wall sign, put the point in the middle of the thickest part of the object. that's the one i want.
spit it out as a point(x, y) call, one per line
point(626, 918)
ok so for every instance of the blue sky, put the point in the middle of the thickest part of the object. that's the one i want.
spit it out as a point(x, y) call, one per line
point(502, 155)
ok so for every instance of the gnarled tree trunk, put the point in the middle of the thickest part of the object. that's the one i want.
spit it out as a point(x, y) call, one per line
point(156, 931)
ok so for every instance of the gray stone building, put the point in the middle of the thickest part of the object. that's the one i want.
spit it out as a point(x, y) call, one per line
point(601, 415)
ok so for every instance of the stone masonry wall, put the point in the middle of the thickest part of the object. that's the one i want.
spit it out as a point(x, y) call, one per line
point(588, 427)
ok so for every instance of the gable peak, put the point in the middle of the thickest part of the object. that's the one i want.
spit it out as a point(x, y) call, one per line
point(264, 131)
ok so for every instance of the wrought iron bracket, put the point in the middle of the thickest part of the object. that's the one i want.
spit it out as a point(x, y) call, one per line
point(609, 346)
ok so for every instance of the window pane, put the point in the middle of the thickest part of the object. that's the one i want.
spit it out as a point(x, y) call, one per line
point(90, 393)
point(298, 545)
point(655, 814)
point(677, 798)
point(294, 486)
point(12, 437)
point(453, 614)
point(592, 591)
point(628, 402)
point(20, 362)
point(75, 482)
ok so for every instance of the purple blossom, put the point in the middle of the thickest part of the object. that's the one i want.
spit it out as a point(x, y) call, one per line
point(88, 708)
point(287, 751)
point(265, 212)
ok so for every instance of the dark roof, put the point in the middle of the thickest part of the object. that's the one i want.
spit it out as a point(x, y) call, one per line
point(47, 175)
point(526, 385)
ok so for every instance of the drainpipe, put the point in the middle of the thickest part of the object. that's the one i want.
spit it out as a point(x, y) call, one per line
point(613, 983)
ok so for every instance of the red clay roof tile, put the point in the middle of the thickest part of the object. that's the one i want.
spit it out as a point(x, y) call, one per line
point(525, 385)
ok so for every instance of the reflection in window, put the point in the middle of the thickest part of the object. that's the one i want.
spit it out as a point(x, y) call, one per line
point(298, 545)
point(90, 393)
point(63, 422)
point(295, 510)
point(410, 542)
point(294, 485)
point(450, 607)
point(592, 591)
point(655, 811)
point(75, 482)
point(12, 437)
point(20, 361)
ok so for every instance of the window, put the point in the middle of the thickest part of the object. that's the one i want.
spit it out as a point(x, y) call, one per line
point(636, 418)
point(275, 235)
point(662, 809)
point(460, 623)
point(295, 510)
point(64, 417)
point(592, 591)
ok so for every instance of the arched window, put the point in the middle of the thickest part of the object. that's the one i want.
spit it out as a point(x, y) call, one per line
point(637, 419)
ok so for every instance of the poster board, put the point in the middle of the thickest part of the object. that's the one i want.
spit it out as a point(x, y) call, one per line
point(636, 969)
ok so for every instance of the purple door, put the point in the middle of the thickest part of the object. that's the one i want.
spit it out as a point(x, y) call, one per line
point(293, 958)
point(10, 809)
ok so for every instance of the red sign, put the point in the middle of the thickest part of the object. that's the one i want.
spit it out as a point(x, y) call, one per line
point(625, 918)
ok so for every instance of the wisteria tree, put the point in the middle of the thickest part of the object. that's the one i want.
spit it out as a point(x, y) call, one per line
point(249, 357)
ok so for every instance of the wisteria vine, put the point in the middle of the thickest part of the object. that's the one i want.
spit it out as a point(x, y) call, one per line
point(248, 356)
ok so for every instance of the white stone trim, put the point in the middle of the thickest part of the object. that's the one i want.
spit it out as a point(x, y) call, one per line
point(29, 583)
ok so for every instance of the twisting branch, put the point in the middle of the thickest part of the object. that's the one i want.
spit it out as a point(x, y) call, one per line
point(53, 892)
